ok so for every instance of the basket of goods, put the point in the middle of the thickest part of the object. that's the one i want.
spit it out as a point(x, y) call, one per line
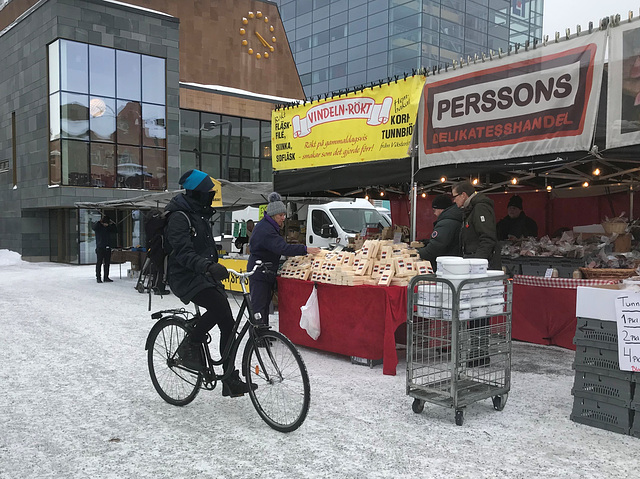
point(607, 273)
point(615, 225)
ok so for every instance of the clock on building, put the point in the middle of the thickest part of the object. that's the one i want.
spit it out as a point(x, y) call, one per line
point(257, 35)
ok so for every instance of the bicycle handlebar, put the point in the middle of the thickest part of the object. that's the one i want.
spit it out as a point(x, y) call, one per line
point(259, 264)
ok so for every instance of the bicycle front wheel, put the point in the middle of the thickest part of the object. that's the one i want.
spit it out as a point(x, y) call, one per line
point(174, 383)
point(283, 394)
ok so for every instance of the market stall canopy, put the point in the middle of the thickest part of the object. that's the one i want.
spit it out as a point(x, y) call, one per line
point(235, 196)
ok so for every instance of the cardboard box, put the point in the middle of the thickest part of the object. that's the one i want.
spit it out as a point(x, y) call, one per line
point(598, 302)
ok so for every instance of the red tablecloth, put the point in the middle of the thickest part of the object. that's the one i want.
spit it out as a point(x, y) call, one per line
point(544, 309)
point(354, 320)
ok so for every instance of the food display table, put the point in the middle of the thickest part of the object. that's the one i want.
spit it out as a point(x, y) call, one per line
point(355, 321)
point(544, 309)
point(136, 258)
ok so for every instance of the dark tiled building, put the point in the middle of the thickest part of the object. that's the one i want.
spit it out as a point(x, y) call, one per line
point(105, 100)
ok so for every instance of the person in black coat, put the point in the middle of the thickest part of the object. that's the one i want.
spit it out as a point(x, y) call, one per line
point(516, 224)
point(194, 274)
point(105, 230)
point(445, 238)
point(267, 245)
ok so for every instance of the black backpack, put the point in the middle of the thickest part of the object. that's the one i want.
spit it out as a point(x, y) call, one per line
point(153, 275)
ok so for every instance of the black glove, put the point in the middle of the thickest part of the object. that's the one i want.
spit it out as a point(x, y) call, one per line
point(217, 271)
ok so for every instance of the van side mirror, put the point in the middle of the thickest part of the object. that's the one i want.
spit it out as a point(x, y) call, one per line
point(328, 231)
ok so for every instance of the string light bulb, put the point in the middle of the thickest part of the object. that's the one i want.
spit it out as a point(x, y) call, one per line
point(549, 187)
point(596, 172)
point(585, 184)
point(514, 181)
point(381, 192)
point(366, 197)
point(443, 179)
point(424, 195)
point(475, 181)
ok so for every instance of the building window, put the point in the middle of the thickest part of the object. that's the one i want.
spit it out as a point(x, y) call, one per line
point(107, 117)
point(249, 146)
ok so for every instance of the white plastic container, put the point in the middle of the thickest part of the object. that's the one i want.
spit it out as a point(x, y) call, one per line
point(478, 312)
point(478, 265)
point(495, 308)
point(453, 265)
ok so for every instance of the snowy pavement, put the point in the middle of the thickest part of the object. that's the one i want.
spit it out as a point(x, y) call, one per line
point(76, 401)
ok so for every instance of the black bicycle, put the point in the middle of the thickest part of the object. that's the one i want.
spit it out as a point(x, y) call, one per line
point(270, 361)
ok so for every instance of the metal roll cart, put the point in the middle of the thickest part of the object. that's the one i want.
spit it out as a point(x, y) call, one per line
point(458, 342)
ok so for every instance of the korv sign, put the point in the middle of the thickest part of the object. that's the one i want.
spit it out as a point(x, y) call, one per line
point(536, 102)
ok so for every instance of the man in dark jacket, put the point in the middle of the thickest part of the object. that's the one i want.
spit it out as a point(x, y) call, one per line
point(194, 273)
point(478, 237)
point(267, 245)
point(105, 230)
point(445, 238)
point(516, 224)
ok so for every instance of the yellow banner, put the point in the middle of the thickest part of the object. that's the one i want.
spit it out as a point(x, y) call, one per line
point(232, 283)
point(217, 198)
point(374, 124)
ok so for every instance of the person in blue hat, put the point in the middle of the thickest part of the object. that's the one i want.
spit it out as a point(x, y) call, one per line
point(194, 274)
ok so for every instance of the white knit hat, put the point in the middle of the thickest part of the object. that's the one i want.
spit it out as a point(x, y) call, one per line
point(275, 206)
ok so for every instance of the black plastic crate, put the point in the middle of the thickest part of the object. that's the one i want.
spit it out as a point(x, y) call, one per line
point(596, 333)
point(618, 392)
point(602, 415)
point(602, 361)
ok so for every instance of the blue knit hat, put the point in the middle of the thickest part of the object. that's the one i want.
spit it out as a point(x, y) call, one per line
point(196, 180)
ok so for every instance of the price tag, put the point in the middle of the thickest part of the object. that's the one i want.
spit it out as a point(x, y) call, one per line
point(628, 318)
point(548, 273)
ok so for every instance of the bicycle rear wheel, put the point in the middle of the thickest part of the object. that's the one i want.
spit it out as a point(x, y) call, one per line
point(174, 383)
point(276, 367)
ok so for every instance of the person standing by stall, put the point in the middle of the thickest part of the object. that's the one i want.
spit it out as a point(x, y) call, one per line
point(195, 275)
point(516, 224)
point(478, 239)
point(445, 238)
point(267, 245)
point(105, 230)
point(478, 236)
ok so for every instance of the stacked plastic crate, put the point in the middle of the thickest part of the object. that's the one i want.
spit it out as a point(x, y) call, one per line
point(604, 396)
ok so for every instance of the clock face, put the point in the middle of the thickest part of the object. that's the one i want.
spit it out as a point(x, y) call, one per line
point(258, 38)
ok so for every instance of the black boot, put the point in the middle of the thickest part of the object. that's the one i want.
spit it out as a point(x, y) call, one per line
point(236, 387)
point(108, 280)
point(98, 279)
point(190, 353)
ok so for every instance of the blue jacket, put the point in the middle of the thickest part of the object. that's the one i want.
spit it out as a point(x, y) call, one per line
point(267, 245)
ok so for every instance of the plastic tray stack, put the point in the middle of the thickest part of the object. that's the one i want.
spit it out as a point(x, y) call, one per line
point(604, 396)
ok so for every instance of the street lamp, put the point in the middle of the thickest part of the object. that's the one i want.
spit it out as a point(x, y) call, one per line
point(210, 125)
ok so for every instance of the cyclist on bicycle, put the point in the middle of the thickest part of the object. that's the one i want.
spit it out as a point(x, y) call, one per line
point(195, 275)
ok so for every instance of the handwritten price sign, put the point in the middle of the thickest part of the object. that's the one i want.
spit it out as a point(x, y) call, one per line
point(628, 317)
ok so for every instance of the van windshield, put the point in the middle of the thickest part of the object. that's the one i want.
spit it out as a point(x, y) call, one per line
point(353, 220)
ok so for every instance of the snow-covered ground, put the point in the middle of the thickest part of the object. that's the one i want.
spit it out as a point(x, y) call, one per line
point(76, 402)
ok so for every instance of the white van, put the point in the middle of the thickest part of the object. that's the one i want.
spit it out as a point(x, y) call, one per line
point(334, 223)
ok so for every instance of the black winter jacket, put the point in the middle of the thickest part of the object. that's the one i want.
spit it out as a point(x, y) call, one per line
point(445, 239)
point(522, 226)
point(104, 234)
point(478, 237)
point(192, 250)
point(267, 245)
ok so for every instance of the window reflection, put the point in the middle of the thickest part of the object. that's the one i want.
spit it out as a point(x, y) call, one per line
point(75, 167)
point(102, 71)
point(153, 80)
point(154, 133)
point(108, 127)
point(128, 81)
point(102, 121)
point(103, 162)
point(74, 62)
point(128, 122)
point(74, 122)
point(154, 172)
point(130, 171)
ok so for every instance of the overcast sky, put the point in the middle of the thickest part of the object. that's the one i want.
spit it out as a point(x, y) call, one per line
point(562, 14)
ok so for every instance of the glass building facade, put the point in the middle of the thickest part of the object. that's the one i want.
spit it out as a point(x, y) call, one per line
point(340, 44)
point(107, 117)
